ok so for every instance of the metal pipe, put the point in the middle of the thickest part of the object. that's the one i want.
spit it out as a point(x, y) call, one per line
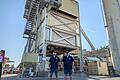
point(103, 12)
point(88, 40)
point(80, 48)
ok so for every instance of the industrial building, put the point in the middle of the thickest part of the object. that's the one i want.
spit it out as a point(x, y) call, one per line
point(53, 25)
point(111, 12)
point(96, 66)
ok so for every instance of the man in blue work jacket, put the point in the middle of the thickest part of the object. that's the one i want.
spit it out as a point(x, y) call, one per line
point(54, 60)
point(68, 62)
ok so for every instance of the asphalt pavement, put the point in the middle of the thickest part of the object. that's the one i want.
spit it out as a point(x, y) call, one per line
point(75, 76)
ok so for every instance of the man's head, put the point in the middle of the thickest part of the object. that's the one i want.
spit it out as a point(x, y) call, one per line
point(64, 54)
point(54, 53)
point(68, 54)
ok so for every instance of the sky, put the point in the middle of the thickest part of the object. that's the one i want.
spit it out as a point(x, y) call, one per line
point(91, 20)
point(12, 26)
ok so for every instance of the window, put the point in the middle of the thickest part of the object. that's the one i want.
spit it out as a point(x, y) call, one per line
point(99, 64)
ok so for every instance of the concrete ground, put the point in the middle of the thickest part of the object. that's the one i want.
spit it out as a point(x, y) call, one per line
point(76, 76)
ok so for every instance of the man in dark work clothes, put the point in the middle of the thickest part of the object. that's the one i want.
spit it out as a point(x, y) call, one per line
point(54, 60)
point(68, 62)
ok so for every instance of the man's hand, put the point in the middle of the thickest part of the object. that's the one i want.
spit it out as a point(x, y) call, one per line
point(49, 65)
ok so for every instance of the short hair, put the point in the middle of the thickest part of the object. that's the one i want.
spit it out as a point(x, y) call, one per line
point(52, 51)
point(69, 52)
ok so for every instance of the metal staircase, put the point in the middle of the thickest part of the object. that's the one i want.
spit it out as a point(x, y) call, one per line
point(31, 9)
point(30, 14)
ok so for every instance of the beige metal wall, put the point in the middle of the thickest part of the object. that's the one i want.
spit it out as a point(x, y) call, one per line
point(93, 67)
point(102, 68)
point(41, 25)
point(59, 27)
point(112, 23)
point(97, 68)
point(70, 6)
point(64, 28)
point(30, 57)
